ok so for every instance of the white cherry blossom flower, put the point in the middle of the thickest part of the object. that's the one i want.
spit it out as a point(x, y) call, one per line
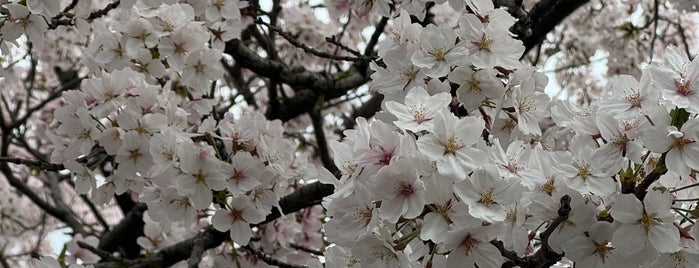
point(237, 218)
point(645, 223)
point(471, 246)
point(401, 191)
point(450, 144)
point(681, 145)
point(419, 110)
point(594, 250)
point(486, 194)
point(438, 51)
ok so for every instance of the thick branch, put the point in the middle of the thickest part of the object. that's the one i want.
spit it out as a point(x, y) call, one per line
point(545, 16)
point(532, 26)
point(306, 196)
point(122, 237)
point(308, 84)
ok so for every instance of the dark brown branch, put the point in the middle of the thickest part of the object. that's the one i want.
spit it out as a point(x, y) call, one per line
point(292, 40)
point(323, 149)
point(122, 237)
point(55, 212)
point(198, 250)
point(545, 256)
point(33, 163)
point(309, 85)
point(306, 249)
point(269, 259)
point(101, 253)
point(543, 17)
point(92, 16)
point(651, 177)
point(70, 217)
point(367, 110)
point(306, 196)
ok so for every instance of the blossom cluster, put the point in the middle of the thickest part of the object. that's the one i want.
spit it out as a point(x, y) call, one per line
point(469, 164)
point(425, 186)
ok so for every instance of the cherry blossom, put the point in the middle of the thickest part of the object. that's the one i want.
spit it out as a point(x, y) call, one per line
point(649, 222)
point(383, 134)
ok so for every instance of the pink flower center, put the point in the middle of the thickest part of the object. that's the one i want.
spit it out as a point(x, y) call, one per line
point(405, 189)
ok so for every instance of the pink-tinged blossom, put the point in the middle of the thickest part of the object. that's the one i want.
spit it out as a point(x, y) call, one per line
point(419, 109)
point(580, 171)
point(220, 10)
point(681, 145)
point(400, 73)
point(198, 72)
point(530, 106)
point(244, 173)
point(621, 140)
point(645, 223)
point(22, 21)
point(177, 46)
point(438, 51)
point(471, 246)
point(237, 217)
point(513, 164)
point(441, 197)
point(594, 250)
point(134, 155)
point(486, 194)
point(79, 253)
point(380, 254)
point(353, 217)
point(477, 86)
point(201, 173)
point(581, 119)
point(401, 191)
point(489, 44)
point(680, 88)
point(685, 257)
point(629, 97)
point(451, 144)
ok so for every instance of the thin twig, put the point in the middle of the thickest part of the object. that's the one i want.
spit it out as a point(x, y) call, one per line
point(104, 254)
point(306, 249)
point(311, 50)
point(97, 14)
point(655, 29)
point(333, 40)
point(269, 259)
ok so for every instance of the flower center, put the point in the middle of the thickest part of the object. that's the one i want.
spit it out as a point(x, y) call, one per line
point(683, 88)
point(405, 189)
point(439, 54)
point(584, 171)
point(469, 243)
point(634, 99)
point(452, 146)
point(487, 197)
point(484, 44)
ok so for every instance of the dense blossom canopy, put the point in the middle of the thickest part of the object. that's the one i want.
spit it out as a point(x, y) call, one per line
point(349, 133)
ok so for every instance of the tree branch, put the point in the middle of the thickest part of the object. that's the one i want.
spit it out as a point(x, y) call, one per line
point(33, 163)
point(122, 237)
point(308, 84)
point(533, 26)
point(545, 256)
